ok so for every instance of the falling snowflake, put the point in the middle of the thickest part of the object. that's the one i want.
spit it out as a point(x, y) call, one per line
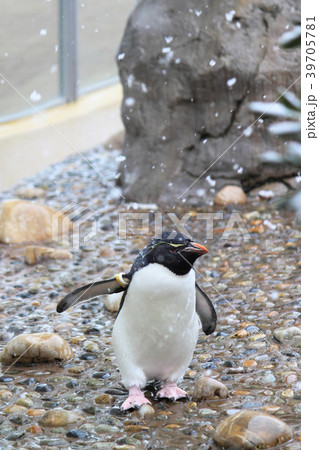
point(35, 96)
point(231, 81)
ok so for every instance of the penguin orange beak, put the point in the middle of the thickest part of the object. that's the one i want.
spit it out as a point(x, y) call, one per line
point(196, 248)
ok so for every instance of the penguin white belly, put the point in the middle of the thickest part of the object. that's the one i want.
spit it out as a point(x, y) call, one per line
point(155, 333)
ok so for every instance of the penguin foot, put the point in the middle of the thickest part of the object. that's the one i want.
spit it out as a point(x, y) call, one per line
point(172, 392)
point(135, 399)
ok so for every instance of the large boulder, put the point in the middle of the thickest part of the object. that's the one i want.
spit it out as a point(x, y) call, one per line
point(189, 70)
point(24, 221)
point(35, 348)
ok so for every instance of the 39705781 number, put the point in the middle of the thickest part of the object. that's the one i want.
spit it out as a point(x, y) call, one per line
point(310, 47)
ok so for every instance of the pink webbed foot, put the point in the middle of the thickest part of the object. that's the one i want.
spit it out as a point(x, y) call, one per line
point(135, 399)
point(171, 392)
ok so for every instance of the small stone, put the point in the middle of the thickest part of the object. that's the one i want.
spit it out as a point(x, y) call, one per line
point(87, 356)
point(78, 339)
point(15, 435)
point(172, 426)
point(89, 427)
point(103, 446)
point(72, 384)
point(135, 428)
point(92, 382)
point(90, 346)
point(278, 189)
point(146, 411)
point(241, 334)
point(30, 192)
point(104, 399)
point(91, 409)
point(34, 429)
point(230, 195)
point(36, 303)
point(36, 347)
point(5, 379)
point(289, 377)
point(241, 393)
point(251, 405)
point(204, 357)
point(102, 375)
point(64, 326)
point(260, 229)
point(257, 337)
point(74, 399)
point(207, 388)
point(19, 418)
point(252, 215)
point(106, 429)
point(132, 446)
point(190, 374)
point(78, 434)
point(25, 401)
point(289, 393)
point(34, 254)
point(251, 429)
point(5, 395)
point(54, 443)
point(44, 388)
point(106, 252)
point(14, 409)
point(207, 412)
point(288, 334)
point(269, 378)
point(35, 412)
point(25, 221)
point(59, 418)
point(112, 302)
point(271, 409)
point(76, 369)
point(250, 363)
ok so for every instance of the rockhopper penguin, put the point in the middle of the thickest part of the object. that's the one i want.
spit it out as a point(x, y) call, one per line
point(155, 332)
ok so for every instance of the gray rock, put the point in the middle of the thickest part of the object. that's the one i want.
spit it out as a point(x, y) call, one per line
point(290, 334)
point(276, 189)
point(106, 429)
point(268, 378)
point(209, 388)
point(103, 445)
point(251, 429)
point(59, 417)
point(15, 435)
point(189, 72)
point(146, 411)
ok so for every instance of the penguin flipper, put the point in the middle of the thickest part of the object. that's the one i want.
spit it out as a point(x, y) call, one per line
point(205, 310)
point(88, 291)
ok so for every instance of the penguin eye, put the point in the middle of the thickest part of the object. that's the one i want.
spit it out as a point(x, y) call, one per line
point(175, 247)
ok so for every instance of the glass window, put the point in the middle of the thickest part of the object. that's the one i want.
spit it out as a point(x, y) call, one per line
point(29, 56)
point(100, 29)
point(37, 69)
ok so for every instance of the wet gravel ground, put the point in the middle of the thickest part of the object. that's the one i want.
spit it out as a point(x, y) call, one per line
point(254, 284)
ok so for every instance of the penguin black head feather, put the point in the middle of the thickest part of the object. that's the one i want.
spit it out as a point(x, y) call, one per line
point(172, 250)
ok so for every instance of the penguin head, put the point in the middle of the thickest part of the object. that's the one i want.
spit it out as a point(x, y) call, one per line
point(174, 251)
